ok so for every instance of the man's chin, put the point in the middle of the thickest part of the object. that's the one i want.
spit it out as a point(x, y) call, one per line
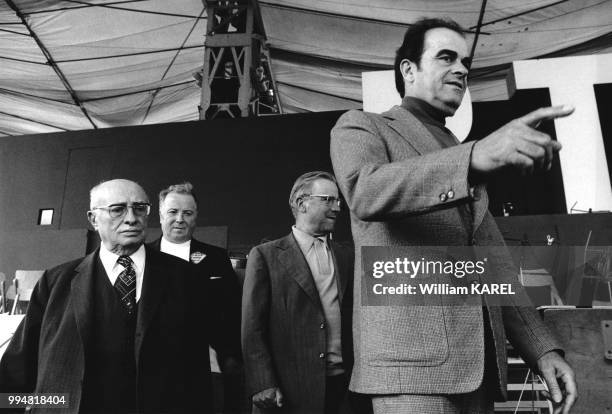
point(128, 245)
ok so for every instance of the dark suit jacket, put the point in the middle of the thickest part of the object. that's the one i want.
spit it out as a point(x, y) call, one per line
point(404, 189)
point(225, 295)
point(48, 351)
point(283, 325)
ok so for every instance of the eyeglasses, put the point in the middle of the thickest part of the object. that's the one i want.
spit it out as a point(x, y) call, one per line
point(120, 210)
point(329, 200)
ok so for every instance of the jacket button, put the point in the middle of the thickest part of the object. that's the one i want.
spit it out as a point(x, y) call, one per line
point(442, 197)
point(322, 355)
point(450, 194)
point(322, 325)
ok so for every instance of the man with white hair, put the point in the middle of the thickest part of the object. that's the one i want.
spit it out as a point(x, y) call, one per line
point(117, 329)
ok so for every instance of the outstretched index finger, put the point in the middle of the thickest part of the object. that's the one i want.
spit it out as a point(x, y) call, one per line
point(534, 118)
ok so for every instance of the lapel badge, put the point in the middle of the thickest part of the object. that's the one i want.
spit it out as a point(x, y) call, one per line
point(197, 257)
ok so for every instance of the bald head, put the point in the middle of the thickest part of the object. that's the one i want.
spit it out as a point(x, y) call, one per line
point(120, 185)
point(119, 212)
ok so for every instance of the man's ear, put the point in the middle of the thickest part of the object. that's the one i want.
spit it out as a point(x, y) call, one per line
point(407, 69)
point(91, 217)
point(301, 205)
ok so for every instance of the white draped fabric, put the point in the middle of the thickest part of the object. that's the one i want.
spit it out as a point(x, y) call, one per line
point(130, 62)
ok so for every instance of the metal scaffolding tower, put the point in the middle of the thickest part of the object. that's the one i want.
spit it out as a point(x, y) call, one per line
point(236, 78)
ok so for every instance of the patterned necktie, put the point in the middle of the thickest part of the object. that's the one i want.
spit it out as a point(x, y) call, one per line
point(126, 284)
point(322, 256)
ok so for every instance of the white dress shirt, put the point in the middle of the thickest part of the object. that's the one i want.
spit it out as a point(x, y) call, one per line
point(176, 249)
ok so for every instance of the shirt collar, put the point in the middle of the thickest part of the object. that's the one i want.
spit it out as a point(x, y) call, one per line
point(304, 239)
point(181, 250)
point(109, 259)
point(167, 242)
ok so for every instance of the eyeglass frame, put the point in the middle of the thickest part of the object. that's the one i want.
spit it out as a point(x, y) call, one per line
point(126, 206)
point(329, 199)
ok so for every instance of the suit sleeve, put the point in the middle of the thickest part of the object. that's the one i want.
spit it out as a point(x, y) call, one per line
point(524, 327)
point(378, 188)
point(19, 364)
point(258, 364)
point(229, 305)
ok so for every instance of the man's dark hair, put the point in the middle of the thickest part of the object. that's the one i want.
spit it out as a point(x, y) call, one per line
point(414, 42)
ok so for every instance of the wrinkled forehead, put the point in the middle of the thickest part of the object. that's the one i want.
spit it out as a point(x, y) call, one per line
point(441, 38)
point(118, 193)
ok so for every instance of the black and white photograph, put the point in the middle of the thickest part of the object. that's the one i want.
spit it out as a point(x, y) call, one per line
point(306, 206)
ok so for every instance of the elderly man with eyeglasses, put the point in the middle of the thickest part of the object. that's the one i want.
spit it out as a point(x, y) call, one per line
point(115, 331)
point(296, 309)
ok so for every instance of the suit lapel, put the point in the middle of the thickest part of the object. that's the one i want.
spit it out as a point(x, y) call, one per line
point(153, 286)
point(156, 245)
point(81, 295)
point(295, 264)
point(197, 247)
point(411, 130)
point(407, 125)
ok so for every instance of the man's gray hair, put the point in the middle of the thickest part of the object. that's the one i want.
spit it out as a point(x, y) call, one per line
point(182, 188)
point(303, 185)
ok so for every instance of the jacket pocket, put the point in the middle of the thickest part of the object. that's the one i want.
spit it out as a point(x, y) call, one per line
point(405, 336)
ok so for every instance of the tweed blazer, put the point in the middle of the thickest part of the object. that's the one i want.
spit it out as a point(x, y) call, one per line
point(283, 324)
point(404, 189)
point(48, 351)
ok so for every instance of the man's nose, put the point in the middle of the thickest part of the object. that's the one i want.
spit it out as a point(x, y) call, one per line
point(460, 69)
point(130, 217)
point(179, 217)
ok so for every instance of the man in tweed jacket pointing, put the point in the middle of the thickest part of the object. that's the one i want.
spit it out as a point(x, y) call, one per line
point(408, 182)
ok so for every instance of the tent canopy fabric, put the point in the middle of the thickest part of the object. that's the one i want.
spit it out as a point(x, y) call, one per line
point(76, 64)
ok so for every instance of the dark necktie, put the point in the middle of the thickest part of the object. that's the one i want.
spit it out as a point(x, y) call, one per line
point(126, 284)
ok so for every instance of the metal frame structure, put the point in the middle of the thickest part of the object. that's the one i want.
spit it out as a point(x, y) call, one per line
point(235, 49)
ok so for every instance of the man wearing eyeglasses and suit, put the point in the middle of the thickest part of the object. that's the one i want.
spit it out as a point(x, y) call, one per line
point(115, 329)
point(296, 309)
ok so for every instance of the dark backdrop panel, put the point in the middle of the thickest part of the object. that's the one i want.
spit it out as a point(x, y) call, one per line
point(85, 166)
point(603, 96)
point(242, 169)
point(540, 193)
point(39, 249)
point(32, 174)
